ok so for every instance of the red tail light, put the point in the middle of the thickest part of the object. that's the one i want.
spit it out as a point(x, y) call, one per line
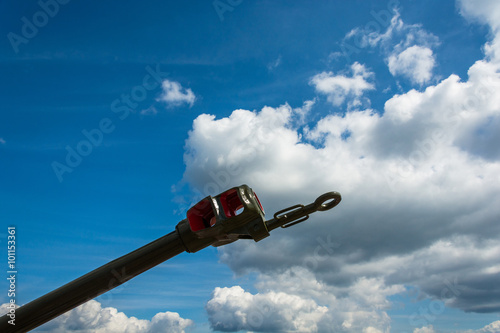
point(258, 201)
point(231, 203)
point(201, 216)
point(238, 205)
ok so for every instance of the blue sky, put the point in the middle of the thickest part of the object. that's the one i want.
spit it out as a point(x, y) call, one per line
point(392, 103)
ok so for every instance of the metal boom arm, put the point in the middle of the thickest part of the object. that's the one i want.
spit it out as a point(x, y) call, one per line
point(232, 215)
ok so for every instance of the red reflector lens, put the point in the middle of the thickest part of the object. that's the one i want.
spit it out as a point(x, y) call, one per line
point(258, 201)
point(231, 203)
point(201, 216)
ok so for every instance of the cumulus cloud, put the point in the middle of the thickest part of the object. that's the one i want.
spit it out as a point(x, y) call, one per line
point(494, 327)
point(409, 165)
point(338, 87)
point(233, 309)
point(482, 11)
point(91, 317)
point(175, 95)
point(421, 190)
point(485, 12)
point(295, 301)
point(415, 63)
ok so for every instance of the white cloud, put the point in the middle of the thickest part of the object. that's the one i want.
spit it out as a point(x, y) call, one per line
point(425, 329)
point(485, 12)
point(304, 110)
point(420, 185)
point(150, 111)
point(339, 87)
point(2, 141)
point(408, 165)
point(274, 64)
point(294, 301)
point(415, 63)
point(168, 322)
point(369, 38)
point(494, 327)
point(233, 309)
point(175, 95)
point(397, 35)
point(406, 47)
point(92, 318)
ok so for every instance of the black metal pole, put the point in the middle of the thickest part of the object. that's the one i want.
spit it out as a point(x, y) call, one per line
point(213, 221)
point(93, 284)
